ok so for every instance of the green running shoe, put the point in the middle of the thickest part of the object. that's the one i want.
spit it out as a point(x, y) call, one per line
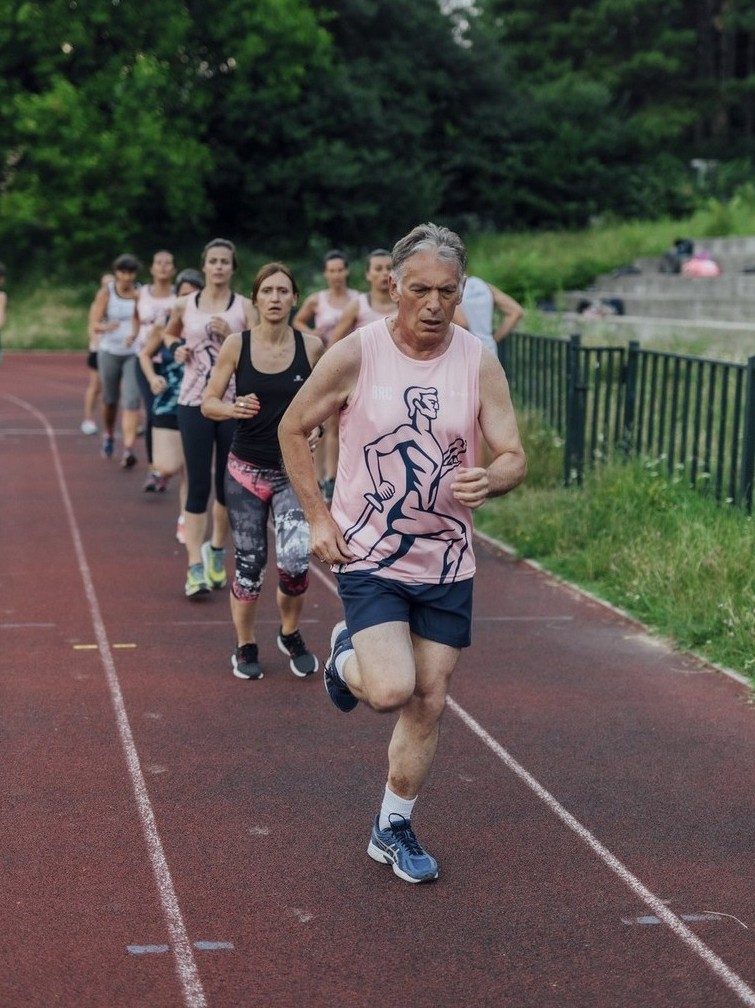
point(196, 583)
point(214, 566)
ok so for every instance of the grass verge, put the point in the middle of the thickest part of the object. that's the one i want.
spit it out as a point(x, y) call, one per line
point(672, 558)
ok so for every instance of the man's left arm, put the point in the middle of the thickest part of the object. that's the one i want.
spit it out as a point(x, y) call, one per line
point(472, 486)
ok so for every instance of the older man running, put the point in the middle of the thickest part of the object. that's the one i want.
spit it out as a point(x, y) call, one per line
point(411, 393)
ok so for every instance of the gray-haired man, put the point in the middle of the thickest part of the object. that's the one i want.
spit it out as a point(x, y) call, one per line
point(411, 393)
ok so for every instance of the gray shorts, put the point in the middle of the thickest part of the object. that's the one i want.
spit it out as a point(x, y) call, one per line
point(118, 377)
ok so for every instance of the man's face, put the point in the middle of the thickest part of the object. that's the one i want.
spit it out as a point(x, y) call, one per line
point(430, 291)
point(379, 273)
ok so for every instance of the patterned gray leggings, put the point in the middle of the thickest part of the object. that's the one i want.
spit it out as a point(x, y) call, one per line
point(250, 495)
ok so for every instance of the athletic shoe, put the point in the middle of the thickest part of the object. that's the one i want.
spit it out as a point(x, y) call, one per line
point(338, 691)
point(88, 427)
point(245, 662)
point(196, 584)
point(108, 444)
point(327, 486)
point(155, 483)
point(129, 459)
point(399, 847)
point(214, 566)
point(181, 530)
point(303, 663)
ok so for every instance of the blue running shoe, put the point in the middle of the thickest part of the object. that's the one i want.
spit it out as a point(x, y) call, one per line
point(108, 445)
point(338, 691)
point(400, 848)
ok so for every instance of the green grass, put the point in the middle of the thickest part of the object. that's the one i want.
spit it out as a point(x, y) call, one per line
point(669, 556)
point(51, 317)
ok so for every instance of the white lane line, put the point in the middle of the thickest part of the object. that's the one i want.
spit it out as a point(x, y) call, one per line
point(734, 982)
point(188, 974)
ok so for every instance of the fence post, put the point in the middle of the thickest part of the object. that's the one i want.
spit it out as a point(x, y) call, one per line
point(574, 443)
point(630, 395)
point(747, 468)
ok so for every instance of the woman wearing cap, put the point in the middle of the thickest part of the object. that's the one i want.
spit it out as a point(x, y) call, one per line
point(112, 324)
point(164, 374)
point(267, 365)
point(202, 321)
point(318, 316)
point(153, 309)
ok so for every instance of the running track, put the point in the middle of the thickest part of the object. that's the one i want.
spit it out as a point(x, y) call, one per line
point(171, 836)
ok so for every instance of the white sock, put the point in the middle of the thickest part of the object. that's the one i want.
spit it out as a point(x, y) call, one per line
point(340, 661)
point(399, 806)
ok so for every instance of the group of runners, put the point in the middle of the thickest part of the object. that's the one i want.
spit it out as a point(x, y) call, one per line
point(354, 422)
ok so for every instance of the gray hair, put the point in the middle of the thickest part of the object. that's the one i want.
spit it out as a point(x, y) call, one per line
point(446, 244)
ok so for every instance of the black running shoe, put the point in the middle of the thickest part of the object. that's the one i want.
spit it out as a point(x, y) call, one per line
point(338, 691)
point(245, 662)
point(303, 663)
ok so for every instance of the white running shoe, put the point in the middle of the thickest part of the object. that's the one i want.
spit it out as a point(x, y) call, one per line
point(88, 427)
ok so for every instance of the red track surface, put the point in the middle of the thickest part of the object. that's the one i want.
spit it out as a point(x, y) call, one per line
point(262, 793)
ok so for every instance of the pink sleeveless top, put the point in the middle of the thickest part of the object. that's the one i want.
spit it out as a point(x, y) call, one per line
point(409, 424)
point(327, 317)
point(151, 311)
point(205, 346)
point(367, 314)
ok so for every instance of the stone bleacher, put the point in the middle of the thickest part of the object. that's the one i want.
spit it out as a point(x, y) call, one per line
point(659, 304)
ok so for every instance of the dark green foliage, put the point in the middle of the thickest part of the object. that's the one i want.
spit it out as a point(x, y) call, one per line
point(292, 125)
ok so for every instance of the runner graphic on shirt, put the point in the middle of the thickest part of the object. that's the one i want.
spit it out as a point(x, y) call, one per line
point(422, 463)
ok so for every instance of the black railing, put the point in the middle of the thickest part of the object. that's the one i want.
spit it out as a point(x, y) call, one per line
point(695, 416)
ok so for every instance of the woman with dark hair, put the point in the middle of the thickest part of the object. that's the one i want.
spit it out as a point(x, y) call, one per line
point(112, 323)
point(201, 322)
point(268, 364)
point(164, 375)
point(318, 316)
point(153, 310)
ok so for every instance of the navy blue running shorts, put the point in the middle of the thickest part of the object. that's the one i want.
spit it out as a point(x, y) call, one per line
point(437, 612)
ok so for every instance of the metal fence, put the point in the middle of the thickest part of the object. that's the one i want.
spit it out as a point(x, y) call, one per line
point(693, 415)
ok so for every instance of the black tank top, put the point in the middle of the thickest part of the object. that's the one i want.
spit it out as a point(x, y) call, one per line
point(256, 440)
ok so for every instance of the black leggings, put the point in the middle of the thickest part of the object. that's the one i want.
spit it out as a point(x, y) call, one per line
point(199, 436)
point(148, 398)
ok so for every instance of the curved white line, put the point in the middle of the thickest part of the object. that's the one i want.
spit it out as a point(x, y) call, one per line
point(188, 974)
point(734, 982)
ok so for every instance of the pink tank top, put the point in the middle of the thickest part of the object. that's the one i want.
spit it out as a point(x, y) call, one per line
point(205, 346)
point(327, 317)
point(407, 427)
point(152, 311)
point(367, 314)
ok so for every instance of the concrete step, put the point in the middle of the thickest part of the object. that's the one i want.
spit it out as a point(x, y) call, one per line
point(674, 305)
point(651, 284)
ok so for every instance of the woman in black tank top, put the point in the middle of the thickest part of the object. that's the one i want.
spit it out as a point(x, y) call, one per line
point(270, 363)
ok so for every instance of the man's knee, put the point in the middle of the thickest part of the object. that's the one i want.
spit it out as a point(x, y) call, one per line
point(387, 697)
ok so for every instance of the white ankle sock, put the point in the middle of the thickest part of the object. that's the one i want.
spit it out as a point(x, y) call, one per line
point(341, 660)
point(394, 803)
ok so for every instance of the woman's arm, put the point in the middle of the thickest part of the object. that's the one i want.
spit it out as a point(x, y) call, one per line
point(305, 316)
point(213, 407)
point(347, 322)
point(97, 312)
point(156, 382)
